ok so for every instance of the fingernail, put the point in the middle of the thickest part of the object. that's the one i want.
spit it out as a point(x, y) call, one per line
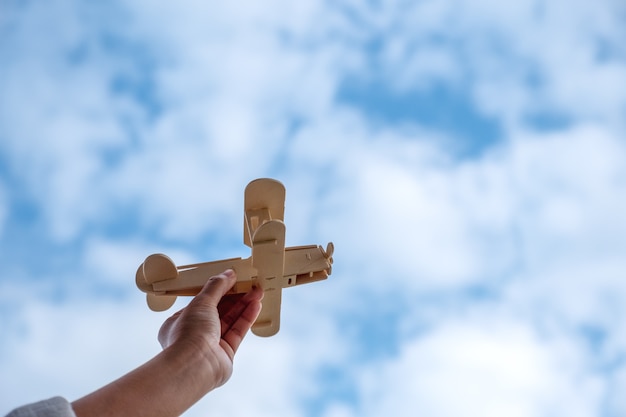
point(228, 273)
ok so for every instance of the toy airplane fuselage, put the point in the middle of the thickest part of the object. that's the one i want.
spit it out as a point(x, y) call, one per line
point(271, 266)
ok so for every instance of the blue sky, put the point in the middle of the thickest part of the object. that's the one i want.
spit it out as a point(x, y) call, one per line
point(467, 158)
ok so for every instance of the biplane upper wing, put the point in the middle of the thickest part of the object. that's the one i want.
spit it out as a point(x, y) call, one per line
point(264, 200)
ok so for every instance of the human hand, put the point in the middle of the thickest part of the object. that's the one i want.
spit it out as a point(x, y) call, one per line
point(214, 324)
point(199, 344)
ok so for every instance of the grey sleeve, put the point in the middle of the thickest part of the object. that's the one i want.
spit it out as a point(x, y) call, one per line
point(54, 407)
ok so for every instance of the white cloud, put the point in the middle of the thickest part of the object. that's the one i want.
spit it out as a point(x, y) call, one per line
point(213, 137)
point(570, 191)
point(115, 262)
point(489, 367)
point(515, 207)
point(616, 402)
point(69, 348)
point(547, 56)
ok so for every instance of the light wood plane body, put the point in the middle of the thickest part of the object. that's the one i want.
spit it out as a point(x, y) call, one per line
point(272, 266)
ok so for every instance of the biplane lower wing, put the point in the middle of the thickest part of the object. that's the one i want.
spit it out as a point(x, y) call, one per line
point(191, 278)
point(163, 281)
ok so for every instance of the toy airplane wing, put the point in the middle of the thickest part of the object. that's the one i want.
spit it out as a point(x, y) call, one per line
point(264, 232)
point(268, 258)
point(271, 265)
point(264, 200)
point(163, 281)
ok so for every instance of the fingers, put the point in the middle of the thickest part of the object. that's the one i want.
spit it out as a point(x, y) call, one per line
point(237, 313)
point(227, 302)
point(239, 319)
point(216, 287)
point(232, 313)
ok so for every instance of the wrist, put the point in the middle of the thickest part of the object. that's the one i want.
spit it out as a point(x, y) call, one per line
point(195, 361)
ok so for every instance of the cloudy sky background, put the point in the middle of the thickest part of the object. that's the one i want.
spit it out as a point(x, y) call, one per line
point(467, 158)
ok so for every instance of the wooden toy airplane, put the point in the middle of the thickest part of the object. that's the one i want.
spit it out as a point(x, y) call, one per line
point(271, 266)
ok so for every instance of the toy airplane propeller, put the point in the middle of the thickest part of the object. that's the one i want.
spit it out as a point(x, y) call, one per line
point(271, 266)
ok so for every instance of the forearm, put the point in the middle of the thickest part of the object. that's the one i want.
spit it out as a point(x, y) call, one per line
point(200, 345)
point(165, 386)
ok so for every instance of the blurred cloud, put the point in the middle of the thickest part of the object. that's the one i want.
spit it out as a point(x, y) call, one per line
point(466, 158)
point(484, 368)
